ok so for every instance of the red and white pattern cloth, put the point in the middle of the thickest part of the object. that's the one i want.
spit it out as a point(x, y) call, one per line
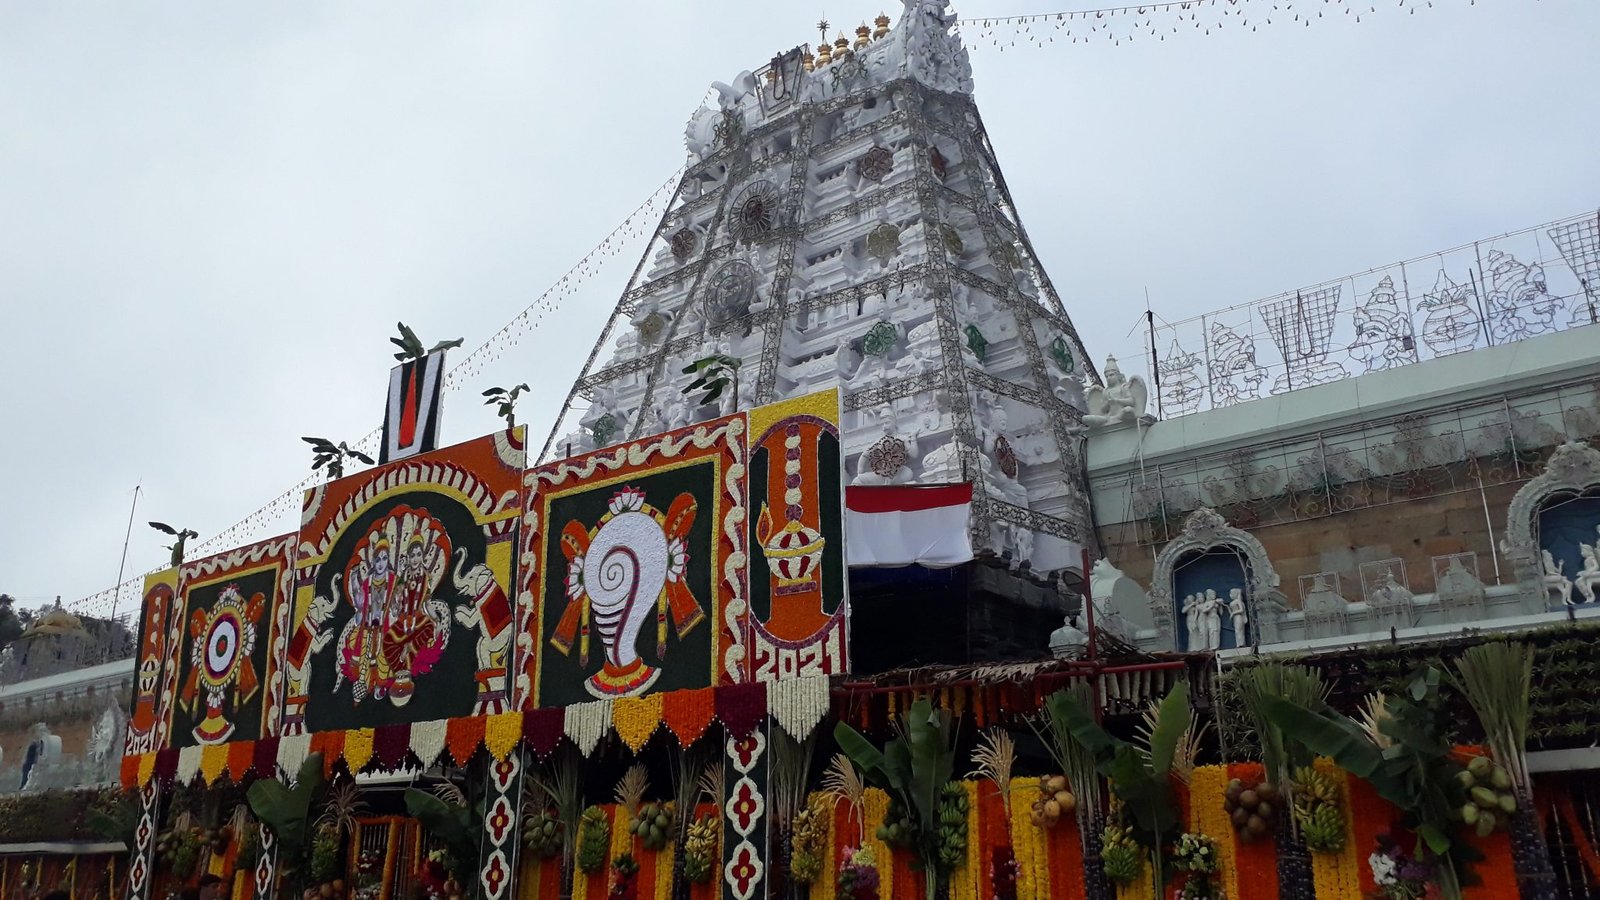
point(902, 525)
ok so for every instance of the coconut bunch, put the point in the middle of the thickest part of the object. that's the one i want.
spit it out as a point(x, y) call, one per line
point(541, 834)
point(1491, 801)
point(1251, 808)
point(652, 824)
point(898, 828)
point(1055, 800)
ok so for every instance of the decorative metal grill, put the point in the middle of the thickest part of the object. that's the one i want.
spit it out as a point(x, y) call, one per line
point(755, 211)
point(883, 244)
point(683, 243)
point(1501, 290)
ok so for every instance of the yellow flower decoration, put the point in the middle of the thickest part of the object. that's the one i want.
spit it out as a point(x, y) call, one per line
point(636, 718)
point(501, 733)
point(357, 748)
point(1206, 816)
point(147, 768)
point(213, 762)
point(877, 809)
point(1337, 874)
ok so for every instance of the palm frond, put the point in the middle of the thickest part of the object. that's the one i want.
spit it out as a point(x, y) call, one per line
point(1374, 712)
point(1188, 746)
point(342, 807)
point(711, 782)
point(632, 786)
point(1497, 680)
point(451, 793)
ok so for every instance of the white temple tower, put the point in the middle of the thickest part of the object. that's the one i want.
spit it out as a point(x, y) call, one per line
point(843, 221)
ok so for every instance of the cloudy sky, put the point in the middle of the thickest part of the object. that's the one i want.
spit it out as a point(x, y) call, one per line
point(211, 215)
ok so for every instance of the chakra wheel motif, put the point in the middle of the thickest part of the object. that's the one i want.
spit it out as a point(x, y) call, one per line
point(887, 456)
point(952, 239)
point(683, 243)
point(730, 293)
point(880, 339)
point(876, 164)
point(755, 211)
point(883, 244)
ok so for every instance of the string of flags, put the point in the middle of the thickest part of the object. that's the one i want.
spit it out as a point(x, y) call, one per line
point(1155, 21)
point(287, 504)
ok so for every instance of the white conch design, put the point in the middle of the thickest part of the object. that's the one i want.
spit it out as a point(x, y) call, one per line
point(624, 571)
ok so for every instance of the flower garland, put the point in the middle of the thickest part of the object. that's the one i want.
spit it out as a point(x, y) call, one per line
point(427, 740)
point(689, 713)
point(213, 762)
point(741, 707)
point(188, 765)
point(635, 719)
point(1338, 875)
point(586, 723)
point(292, 752)
point(542, 729)
point(798, 704)
point(1206, 816)
point(390, 744)
point(501, 732)
point(1028, 844)
point(964, 880)
point(332, 749)
point(241, 758)
point(463, 736)
point(877, 810)
point(357, 748)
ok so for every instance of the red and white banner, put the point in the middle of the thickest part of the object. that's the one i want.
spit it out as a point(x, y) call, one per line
point(911, 524)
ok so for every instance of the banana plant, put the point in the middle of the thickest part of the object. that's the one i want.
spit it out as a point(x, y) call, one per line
point(1402, 752)
point(506, 401)
point(448, 817)
point(714, 374)
point(286, 811)
point(915, 766)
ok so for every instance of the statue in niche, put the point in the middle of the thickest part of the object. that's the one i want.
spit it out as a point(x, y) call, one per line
point(1383, 331)
point(1210, 614)
point(1241, 617)
point(1554, 581)
point(1586, 578)
point(1191, 621)
point(1120, 401)
point(1234, 374)
point(922, 350)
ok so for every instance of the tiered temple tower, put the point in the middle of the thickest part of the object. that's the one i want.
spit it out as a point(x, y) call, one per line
point(843, 221)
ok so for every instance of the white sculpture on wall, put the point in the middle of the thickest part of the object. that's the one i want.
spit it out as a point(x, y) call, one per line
point(1191, 621)
point(1461, 594)
point(1555, 583)
point(1210, 620)
point(1069, 641)
point(1120, 604)
point(1390, 604)
point(1205, 530)
point(1326, 611)
point(1241, 618)
point(1586, 578)
point(1120, 401)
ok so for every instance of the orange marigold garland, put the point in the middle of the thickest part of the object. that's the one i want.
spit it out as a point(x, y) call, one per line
point(241, 757)
point(463, 736)
point(1207, 817)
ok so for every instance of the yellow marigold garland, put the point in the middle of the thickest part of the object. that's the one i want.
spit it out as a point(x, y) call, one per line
point(1206, 816)
point(827, 886)
point(213, 762)
point(664, 864)
point(147, 768)
point(635, 719)
point(1337, 875)
point(877, 808)
point(1028, 843)
point(501, 733)
point(358, 748)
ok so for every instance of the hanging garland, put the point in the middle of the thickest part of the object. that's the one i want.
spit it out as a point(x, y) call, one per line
point(586, 723)
point(357, 749)
point(798, 704)
point(241, 758)
point(390, 744)
point(188, 765)
point(428, 739)
point(213, 762)
point(501, 732)
point(689, 713)
point(292, 752)
point(636, 718)
point(463, 736)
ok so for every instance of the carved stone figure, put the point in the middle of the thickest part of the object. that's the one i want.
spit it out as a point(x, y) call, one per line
point(928, 51)
point(1120, 401)
point(1586, 578)
point(1241, 617)
point(1191, 621)
point(1210, 612)
point(1390, 604)
point(1553, 581)
point(1461, 594)
point(1069, 641)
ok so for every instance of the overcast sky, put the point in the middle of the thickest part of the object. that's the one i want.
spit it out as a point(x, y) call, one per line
point(211, 215)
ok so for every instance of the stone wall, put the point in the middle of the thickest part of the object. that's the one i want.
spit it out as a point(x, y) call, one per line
point(1413, 530)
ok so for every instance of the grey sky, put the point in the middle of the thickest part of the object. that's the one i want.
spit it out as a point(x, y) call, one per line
point(212, 214)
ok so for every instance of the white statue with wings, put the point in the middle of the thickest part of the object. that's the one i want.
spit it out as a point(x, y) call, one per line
point(1121, 400)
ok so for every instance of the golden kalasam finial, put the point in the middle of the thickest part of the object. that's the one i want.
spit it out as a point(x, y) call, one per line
point(863, 36)
point(807, 61)
point(824, 54)
point(882, 31)
point(841, 46)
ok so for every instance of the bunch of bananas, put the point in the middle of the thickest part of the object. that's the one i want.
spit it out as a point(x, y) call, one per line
point(953, 808)
point(652, 824)
point(1319, 810)
point(1120, 854)
point(700, 849)
point(809, 841)
point(594, 840)
point(898, 828)
point(541, 834)
point(1490, 800)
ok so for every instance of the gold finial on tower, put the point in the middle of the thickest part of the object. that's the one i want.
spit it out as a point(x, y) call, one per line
point(807, 61)
point(863, 36)
point(882, 31)
point(824, 54)
point(841, 46)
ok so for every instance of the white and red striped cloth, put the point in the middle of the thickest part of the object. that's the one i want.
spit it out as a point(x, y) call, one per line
point(911, 524)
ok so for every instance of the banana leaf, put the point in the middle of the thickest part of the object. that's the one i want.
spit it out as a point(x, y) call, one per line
point(286, 811)
point(1326, 733)
point(1172, 720)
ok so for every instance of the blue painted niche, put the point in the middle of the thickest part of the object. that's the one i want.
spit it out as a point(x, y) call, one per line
point(1566, 520)
point(1220, 569)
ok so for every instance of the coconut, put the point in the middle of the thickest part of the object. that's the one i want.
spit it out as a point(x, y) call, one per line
point(1240, 817)
point(1480, 766)
point(1501, 779)
point(1264, 809)
point(1249, 799)
point(1256, 825)
point(1052, 809)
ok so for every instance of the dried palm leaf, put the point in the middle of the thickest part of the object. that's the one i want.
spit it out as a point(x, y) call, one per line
point(994, 758)
point(842, 781)
point(632, 787)
point(1374, 712)
point(1188, 746)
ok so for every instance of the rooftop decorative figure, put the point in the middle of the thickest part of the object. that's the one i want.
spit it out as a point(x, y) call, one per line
point(1120, 401)
point(1383, 331)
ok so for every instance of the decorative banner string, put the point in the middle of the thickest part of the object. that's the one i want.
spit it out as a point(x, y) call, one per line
point(1157, 20)
point(287, 504)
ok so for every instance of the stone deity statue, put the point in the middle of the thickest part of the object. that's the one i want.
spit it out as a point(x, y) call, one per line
point(1211, 619)
point(1191, 621)
point(1240, 617)
point(1120, 401)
